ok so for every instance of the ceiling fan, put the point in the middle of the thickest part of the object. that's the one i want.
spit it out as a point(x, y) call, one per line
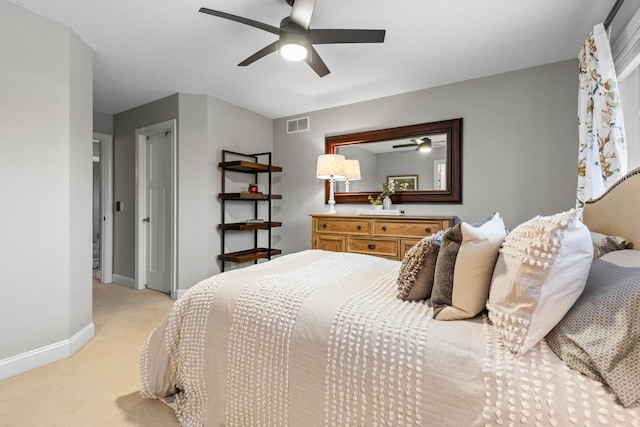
point(422, 145)
point(295, 38)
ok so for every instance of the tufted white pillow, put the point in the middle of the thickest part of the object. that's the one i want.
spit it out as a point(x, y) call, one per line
point(541, 271)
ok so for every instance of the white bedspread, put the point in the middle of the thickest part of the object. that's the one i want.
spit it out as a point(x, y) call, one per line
point(319, 338)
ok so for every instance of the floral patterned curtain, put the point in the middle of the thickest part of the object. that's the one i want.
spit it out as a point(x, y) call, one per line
point(602, 157)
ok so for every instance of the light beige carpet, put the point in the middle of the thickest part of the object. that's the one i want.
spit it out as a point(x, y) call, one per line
point(100, 384)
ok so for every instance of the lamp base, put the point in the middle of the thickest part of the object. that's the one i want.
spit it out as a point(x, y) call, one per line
point(332, 210)
point(332, 202)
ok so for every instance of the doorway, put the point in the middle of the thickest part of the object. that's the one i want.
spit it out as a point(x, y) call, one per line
point(102, 207)
point(156, 208)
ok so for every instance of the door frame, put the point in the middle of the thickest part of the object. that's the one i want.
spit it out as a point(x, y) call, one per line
point(106, 206)
point(141, 202)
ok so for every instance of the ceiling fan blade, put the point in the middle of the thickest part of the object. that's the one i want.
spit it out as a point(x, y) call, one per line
point(346, 36)
point(316, 63)
point(301, 13)
point(246, 21)
point(259, 54)
point(404, 145)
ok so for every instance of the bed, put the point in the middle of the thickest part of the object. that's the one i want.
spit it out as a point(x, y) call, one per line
point(320, 338)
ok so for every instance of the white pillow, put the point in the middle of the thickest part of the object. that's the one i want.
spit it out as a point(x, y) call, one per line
point(541, 271)
point(474, 268)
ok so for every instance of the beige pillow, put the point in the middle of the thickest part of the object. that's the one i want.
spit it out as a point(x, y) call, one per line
point(541, 271)
point(415, 280)
point(466, 294)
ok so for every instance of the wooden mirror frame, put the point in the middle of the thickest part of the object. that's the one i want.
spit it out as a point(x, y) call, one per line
point(453, 193)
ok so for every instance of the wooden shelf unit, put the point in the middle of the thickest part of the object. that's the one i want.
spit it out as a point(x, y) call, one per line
point(249, 167)
point(249, 255)
point(256, 169)
point(253, 196)
point(242, 226)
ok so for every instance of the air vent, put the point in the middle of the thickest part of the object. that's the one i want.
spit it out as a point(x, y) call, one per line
point(301, 124)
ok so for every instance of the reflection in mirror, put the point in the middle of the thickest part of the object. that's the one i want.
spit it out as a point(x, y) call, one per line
point(402, 153)
point(399, 159)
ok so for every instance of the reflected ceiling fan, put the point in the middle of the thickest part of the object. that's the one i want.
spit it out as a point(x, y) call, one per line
point(295, 38)
point(422, 145)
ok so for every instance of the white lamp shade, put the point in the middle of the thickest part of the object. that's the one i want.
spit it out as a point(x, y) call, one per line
point(352, 169)
point(330, 166)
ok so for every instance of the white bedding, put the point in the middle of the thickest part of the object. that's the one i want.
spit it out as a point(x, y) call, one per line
point(319, 338)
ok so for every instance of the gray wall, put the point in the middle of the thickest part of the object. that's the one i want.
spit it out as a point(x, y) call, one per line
point(45, 182)
point(195, 193)
point(519, 146)
point(102, 123)
point(206, 125)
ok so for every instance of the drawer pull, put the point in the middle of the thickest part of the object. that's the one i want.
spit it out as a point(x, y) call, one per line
point(359, 227)
point(384, 228)
point(428, 230)
point(372, 247)
point(324, 225)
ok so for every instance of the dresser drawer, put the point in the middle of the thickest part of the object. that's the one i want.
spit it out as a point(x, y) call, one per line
point(343, 226)
point(405, 229)
point(329, 242)
point(405, 245)
point(386, 248)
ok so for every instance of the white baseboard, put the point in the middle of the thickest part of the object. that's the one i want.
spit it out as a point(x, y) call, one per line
point(124, 281)
point(29, 360)
point(80, 338)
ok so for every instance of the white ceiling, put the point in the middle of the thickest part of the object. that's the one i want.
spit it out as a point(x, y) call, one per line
point(148, 49)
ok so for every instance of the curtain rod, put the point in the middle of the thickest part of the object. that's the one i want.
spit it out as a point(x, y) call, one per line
point(612, 13)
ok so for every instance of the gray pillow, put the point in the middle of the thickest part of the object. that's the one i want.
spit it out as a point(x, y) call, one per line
point(600, 335)
point(415, 280)
point(603, 244)
point(445, 264)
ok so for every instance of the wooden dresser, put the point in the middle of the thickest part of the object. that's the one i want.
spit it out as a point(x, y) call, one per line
point(385, 236)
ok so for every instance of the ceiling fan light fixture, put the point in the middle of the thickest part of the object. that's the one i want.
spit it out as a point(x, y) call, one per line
point(296, 40)
point(293, 52)
point(424, 144)
point(294, 45)
point(424, 147)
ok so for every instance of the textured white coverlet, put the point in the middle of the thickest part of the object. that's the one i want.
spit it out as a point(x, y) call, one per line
point(319, 339)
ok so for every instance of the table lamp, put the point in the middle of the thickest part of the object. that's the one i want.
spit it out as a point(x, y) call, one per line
point(331, 167)
point(352, 172)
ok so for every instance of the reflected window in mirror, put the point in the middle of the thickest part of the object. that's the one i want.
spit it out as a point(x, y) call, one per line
point(427, 156)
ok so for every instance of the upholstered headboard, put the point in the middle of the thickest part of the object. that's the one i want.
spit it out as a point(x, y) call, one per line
point(617, 212)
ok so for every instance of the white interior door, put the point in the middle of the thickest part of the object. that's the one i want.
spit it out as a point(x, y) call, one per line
point(158, 212)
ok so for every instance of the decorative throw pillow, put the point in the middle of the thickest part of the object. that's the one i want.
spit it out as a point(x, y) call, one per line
point(445, 263)
point(603, 244)
point(415, 280)
point(599, 335)
point(541, 271)
point(464, 275)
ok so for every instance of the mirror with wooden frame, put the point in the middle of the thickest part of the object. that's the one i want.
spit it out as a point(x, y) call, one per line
point(426, 157)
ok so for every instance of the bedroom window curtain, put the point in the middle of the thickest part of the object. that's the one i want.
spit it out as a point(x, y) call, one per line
point(602, 156)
